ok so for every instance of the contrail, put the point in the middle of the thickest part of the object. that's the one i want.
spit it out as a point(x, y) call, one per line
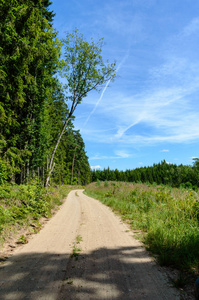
point(97, 102)
point(107, 84)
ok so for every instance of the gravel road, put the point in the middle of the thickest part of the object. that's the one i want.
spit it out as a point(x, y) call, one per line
point(107, 261)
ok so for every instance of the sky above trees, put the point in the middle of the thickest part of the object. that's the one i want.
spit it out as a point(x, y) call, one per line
point(151, 111)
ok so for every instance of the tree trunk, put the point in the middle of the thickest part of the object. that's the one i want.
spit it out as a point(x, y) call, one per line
point(73, 164)
point(28, 170)
point(51, 165)
point(79, 176)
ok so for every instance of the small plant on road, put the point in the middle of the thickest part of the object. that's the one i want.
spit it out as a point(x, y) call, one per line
point(78, 239)
point(76, 252)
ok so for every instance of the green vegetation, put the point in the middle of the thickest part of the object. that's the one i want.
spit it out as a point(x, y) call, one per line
point(37, 135)
point(85, 71)
point(167, 217)
point(162, 173)
point(78, 239)
point(24, 205)
point(22, 239)
point(77, 250)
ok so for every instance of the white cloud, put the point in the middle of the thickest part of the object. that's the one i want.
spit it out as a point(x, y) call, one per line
point(119, 154)
point(164, 150)
point(122, 154)
point(166, 109)
point(96, 167)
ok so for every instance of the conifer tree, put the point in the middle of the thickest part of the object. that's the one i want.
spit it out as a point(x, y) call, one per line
point(29, 53)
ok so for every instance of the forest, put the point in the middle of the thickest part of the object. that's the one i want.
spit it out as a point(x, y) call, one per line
point(162, 173)
point(37, 135)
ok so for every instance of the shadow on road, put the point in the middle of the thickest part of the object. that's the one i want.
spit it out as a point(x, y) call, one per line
point(123, 273)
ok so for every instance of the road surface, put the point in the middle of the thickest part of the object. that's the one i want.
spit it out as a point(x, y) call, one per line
point(107, 261)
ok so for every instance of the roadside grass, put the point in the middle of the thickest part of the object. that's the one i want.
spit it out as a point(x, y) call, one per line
point(23, 206)
point(168, 218)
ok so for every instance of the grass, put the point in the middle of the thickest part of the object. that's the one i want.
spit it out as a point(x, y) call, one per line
point(167, 217)
point(23, 206)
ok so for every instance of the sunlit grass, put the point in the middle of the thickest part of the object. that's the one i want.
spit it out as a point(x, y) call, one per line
point(168, 218)
point(24, 205)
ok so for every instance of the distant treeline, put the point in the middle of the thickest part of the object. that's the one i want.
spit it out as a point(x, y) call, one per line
point(162, 173)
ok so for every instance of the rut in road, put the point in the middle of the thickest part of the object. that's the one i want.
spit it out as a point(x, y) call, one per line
point(112, 264)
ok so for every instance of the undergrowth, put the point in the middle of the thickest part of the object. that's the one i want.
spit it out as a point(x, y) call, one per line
point(24, 205)
point(168, 218)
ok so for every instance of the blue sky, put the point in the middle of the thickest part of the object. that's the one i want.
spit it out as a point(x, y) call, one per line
point(151, 111)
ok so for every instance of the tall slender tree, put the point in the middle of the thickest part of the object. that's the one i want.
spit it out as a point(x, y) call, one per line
point(85, 71)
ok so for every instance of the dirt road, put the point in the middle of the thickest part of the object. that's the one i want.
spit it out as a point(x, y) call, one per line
point(111, 263)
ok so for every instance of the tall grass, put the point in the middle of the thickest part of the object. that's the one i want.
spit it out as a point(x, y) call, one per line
point(24, 205)
point(168, 218)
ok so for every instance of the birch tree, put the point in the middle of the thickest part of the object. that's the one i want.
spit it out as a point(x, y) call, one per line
point(84, 71)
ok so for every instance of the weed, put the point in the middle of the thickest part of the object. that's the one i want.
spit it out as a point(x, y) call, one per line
point(78, 239)
point(76, 252)
point(22, 239)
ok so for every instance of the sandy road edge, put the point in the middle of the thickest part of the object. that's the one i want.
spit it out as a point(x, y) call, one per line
point(11, 244)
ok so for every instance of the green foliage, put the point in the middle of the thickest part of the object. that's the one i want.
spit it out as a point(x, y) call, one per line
point(105, 183)
point(168, 218)
point(29, 53)
point(84, 71)
point(76, 252)
point(3, 171)
point(162, 173)
point(84, 67)
point(22, 239)
point(78, 239)
point(98, 183)
point(33, 105)
point(26, 204)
